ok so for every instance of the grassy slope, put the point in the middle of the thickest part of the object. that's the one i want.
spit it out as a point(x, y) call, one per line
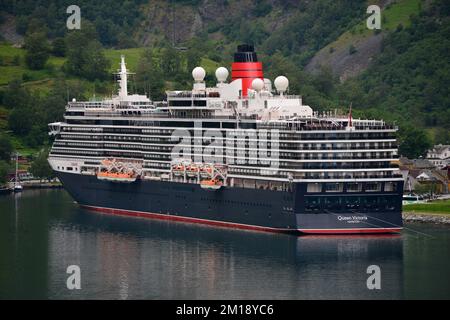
point(10, 72)
point(440, 206)
point(397, 13)
point(42, 80)
point(132, 58)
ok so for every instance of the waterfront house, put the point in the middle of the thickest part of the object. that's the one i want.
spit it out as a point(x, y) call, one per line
point(419, 172)
point(439, 155)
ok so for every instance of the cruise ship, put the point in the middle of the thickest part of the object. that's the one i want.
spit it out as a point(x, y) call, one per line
point(244, 153)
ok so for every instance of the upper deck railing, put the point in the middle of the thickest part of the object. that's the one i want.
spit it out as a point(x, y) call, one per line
point(144, 110)
point(216, 94)
point(88, 105)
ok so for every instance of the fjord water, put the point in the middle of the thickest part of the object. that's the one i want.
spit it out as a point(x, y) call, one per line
point(42, 232)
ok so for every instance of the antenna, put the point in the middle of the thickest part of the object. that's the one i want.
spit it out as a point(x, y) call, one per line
point(350, 116)
point(123, 82)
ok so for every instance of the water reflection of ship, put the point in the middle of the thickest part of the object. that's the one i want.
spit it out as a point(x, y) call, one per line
point(156, 259)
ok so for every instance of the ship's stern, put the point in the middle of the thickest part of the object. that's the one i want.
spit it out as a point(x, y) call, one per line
point(323, 212)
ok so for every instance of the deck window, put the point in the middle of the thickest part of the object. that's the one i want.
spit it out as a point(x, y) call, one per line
point(314, 187)
point(354, 187)
point(333, 187)
point(373, 186)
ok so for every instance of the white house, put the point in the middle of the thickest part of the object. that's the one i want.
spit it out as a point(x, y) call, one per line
point(439, 155)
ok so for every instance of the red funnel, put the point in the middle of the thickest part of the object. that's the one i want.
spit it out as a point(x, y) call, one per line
point(246, 67)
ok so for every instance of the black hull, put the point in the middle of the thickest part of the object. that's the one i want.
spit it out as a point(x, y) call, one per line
point(265, 210)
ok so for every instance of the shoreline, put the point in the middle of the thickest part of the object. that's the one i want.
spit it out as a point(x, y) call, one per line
point(31, 186)
point(42, 186)
point(408, 216)
point(424, 217)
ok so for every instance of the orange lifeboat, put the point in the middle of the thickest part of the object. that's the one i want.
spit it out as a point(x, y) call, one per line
point(212, 185)
point(116, 177)
point(192, 170)
point(178, 169)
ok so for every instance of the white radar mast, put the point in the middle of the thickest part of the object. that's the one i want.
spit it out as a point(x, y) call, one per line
point(123, 91)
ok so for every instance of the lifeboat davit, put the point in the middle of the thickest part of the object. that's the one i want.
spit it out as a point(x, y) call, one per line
point(211, 185)
point(205, 172)
point(116, 177)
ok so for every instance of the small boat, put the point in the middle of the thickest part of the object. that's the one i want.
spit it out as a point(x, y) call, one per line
point(178, 170)
point(412, 199)
point(212, 185)
point(17, 186)
point(116, 177)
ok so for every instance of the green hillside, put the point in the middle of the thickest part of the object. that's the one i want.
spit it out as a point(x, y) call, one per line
point(43, 79)
point(402, 72)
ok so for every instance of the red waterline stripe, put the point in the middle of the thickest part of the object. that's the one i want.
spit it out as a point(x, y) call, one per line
point(237, 225)
point(351, 231)
point(186, 219)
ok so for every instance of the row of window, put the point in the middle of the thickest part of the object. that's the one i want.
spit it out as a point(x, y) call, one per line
point(251, 153)
point(156, 165)
point(352, 187)
point(81, 129)
point(239, 203)
point(351, 204)
point(337, 135)
point(229, 144)
point(296, 136)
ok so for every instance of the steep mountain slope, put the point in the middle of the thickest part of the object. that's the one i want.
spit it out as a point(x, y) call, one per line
point(356, 48)
point(409, 78)
point(399, 73)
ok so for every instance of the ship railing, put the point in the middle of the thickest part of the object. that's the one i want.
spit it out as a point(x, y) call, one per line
point(156, 114)
point(275, 97)
point(89, 105)
point(301, 126)
point(379, 176)
point(105, 105)
point(286, 96)
point(185, 94)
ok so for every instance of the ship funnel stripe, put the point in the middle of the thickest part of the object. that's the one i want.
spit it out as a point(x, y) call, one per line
point(251, 78)
point(247, 65)
point(247, 71)
point(247, 74)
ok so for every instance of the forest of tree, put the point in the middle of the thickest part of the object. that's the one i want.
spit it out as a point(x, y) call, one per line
point(114, 20)
point(407, 83)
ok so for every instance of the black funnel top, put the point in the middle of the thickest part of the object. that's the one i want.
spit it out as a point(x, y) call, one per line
point(245, 53)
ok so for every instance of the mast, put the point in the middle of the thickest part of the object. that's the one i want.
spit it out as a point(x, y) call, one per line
point(350, 118)
point(17, 168)
point(123, 91)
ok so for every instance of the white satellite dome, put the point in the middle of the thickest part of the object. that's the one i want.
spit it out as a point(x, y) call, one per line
point(198, 74)
point(257, 84)
point(222, 74)
point(281, 83)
